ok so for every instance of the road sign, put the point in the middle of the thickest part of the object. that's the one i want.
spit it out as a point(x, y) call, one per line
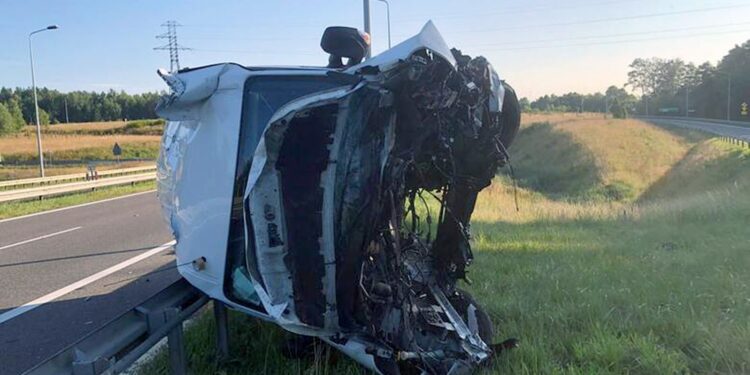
point(117, 151)
point(743, 109)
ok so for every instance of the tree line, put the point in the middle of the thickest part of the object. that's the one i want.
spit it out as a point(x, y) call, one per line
point(670, 87)
point(615, 100)
point(17, 107)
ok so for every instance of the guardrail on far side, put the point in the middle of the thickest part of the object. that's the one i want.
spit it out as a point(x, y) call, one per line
point(27, 182)
point(66, 188)
point(731, 131)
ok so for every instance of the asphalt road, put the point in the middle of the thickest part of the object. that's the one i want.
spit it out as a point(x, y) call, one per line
point(65, 273)
point(737, 132)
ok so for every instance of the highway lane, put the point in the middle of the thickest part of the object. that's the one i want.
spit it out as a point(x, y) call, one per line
point(710, 126)
point(50, 254)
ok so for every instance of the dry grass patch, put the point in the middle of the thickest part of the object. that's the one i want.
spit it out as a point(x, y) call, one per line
point(628, 152)
point(587, 157)
point(558, 117)
point(76, 126)
point(53, 143)
point(711, 168)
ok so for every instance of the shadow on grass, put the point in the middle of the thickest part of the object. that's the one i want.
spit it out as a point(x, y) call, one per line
point(552, 162)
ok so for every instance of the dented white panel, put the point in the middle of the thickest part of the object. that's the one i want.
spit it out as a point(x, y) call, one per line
point(197, 166)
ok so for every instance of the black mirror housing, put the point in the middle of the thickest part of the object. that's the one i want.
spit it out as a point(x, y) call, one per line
point(341, 41)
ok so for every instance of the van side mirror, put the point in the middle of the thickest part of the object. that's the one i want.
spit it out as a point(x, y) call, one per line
point(340, 42)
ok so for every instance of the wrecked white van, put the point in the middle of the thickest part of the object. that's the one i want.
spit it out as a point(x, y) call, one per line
point(336, 201)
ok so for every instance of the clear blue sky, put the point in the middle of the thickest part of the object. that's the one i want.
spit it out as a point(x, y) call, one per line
point(539, 46)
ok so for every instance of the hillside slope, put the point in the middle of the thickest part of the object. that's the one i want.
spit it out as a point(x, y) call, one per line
point(595, 158)
point(710, 167)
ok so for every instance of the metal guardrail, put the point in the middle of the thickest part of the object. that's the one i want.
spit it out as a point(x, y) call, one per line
point(60, 189)
point(14, 184)
point(114, 347)
point(735, 132)
point(741, 124)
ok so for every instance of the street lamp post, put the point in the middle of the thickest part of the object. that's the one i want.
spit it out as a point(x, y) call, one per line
point(729, 97)
point(36, 104)
point(729, 93)
point(388, 16)
point(366, 11)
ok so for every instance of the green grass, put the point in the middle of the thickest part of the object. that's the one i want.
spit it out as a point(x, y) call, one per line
point(658, 291)
point(253, 346)
point(13, 209)
point(652, 282)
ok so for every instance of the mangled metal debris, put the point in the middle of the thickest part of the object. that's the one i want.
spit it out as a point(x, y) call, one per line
point(307, 192)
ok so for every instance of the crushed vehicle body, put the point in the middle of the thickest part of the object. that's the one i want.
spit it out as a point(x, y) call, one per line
point(336, 202)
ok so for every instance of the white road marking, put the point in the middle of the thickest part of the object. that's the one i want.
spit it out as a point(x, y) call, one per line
point(76, 206)
point(39, 238)
point(80, 283)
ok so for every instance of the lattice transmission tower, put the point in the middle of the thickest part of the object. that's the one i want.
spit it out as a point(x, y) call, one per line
point(172, 45)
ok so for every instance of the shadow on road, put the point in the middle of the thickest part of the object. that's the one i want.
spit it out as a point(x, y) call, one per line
point(77, 256)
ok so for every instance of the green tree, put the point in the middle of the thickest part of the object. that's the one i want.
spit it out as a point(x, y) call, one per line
point(7, 123)
point(43, 117)
point(617, 109)
point(14, 107)
point(525, 104)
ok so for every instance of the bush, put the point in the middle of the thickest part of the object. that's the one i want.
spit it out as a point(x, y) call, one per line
point(618, 110)
point(11, 119)
point(144, 127)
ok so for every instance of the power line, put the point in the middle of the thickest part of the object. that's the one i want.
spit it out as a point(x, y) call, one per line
point(619, 41)
point(240, 39)
point(612, 35)
point(259, 52)
point(610, 19)
point(516, 10)
point(626, 18)
point(245, 26)
point(172, 46)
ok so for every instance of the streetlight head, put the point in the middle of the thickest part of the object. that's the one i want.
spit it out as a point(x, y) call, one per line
point(52, 27)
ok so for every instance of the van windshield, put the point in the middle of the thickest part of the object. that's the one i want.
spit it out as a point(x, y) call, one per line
point(263, 96)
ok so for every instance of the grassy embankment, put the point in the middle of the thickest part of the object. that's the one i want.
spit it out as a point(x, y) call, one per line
point(629, 255)
point(82, 142)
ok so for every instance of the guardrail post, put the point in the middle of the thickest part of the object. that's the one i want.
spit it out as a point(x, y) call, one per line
point(176, 343)
point(222, 330)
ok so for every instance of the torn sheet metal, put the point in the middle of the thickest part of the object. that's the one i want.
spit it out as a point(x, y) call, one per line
point(429, 38)
point(339, 239)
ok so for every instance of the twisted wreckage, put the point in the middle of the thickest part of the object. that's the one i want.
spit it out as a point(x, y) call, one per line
point(336, 201)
